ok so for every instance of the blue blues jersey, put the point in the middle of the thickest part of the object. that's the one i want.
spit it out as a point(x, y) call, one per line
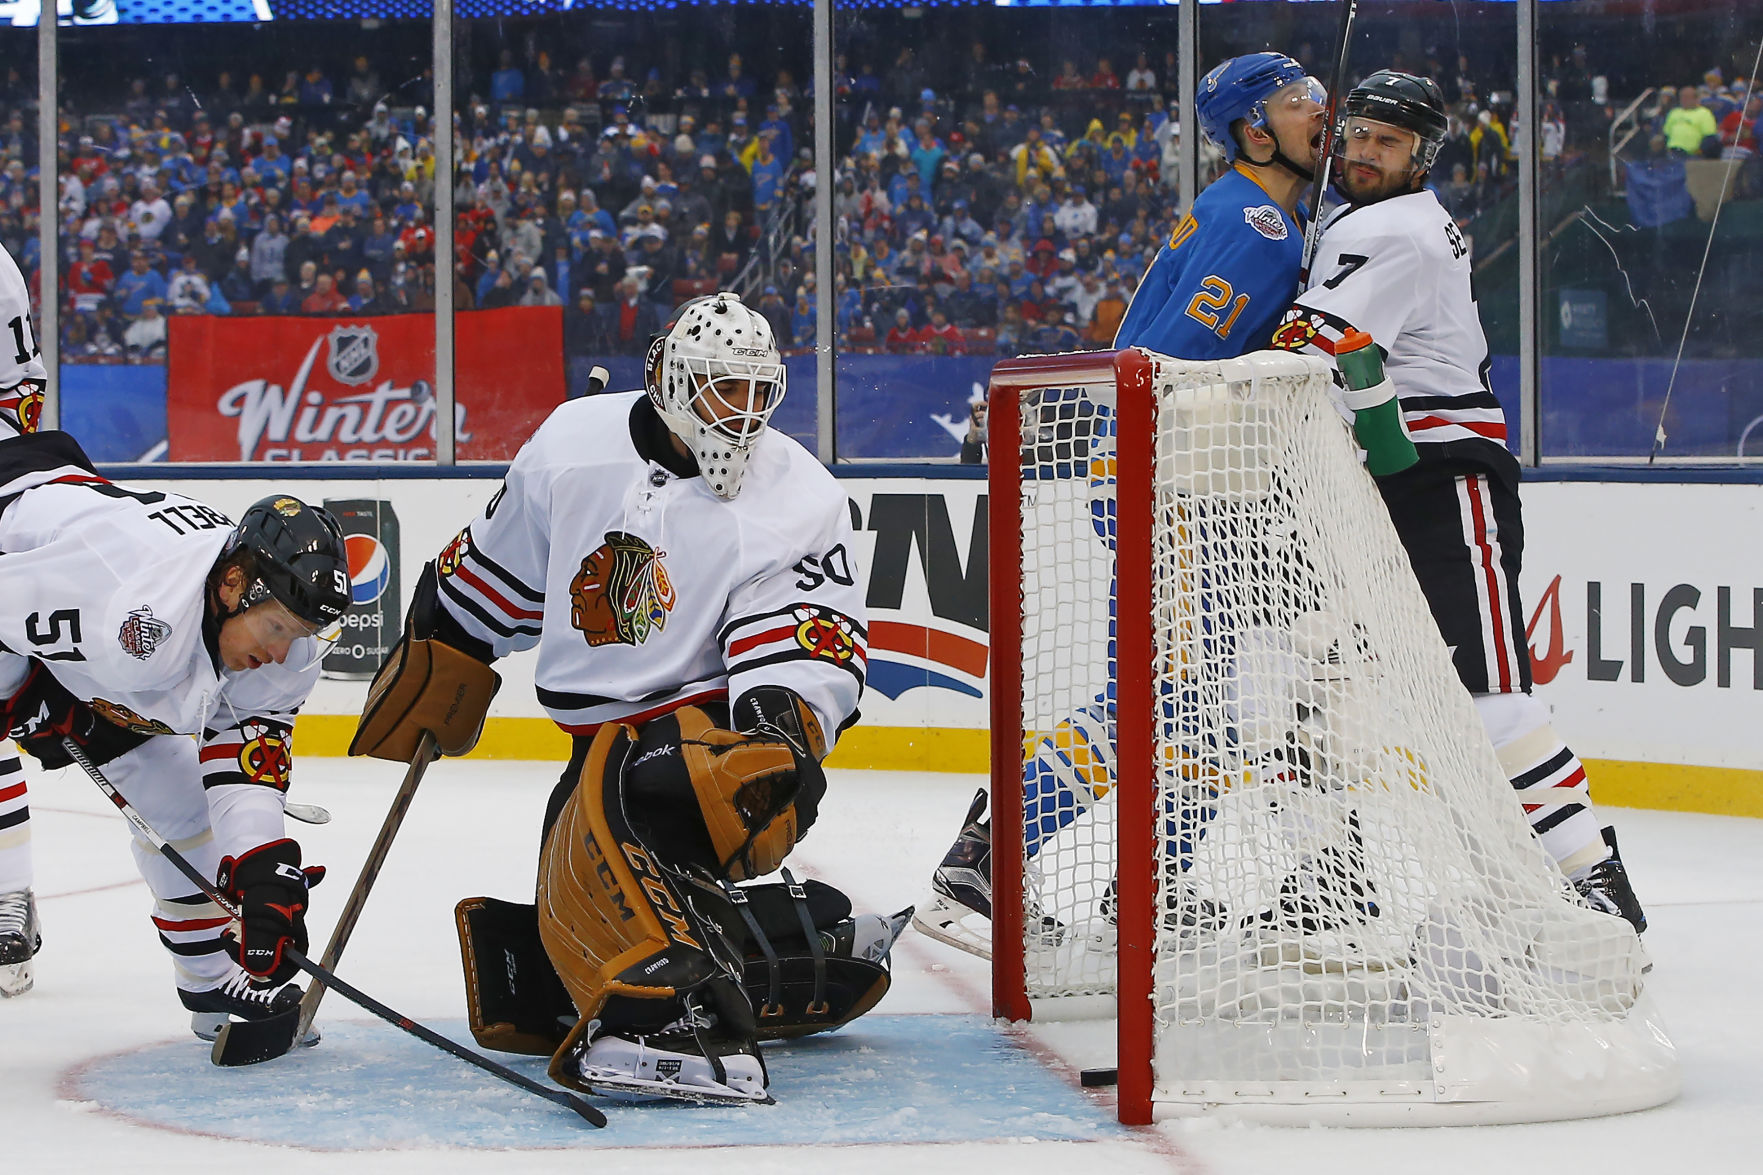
point(1221, 284)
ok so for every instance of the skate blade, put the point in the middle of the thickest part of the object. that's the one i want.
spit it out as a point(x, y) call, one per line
point(624, 1087)
point(16, 979)
point(949, 923)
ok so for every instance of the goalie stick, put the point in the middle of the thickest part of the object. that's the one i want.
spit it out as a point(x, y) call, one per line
point(428, 1035)
point(1319, 187)
point(250, 1042)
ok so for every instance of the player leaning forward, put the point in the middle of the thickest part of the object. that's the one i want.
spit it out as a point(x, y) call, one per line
point(687, 575)
point(136, 615)
point(1392, 263)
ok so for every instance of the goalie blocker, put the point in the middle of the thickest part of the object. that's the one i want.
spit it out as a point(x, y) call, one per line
point(639, 934)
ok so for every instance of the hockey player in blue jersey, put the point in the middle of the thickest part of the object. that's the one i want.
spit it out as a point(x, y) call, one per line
point(1217, 289)
point(1219, 286)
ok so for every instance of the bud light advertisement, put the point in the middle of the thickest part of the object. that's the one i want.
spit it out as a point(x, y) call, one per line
point(371, 625)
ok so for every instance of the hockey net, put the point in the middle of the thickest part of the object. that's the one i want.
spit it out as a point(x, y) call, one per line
point(1238, 790)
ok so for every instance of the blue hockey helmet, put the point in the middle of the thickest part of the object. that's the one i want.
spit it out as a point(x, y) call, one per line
point(1239, 88)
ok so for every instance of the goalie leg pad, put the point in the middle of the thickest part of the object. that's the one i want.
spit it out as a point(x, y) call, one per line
point(628, 947)
point(515, 1002)
point(810, 965)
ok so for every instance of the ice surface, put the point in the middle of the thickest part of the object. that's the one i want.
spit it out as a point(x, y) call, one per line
point(98, 1072)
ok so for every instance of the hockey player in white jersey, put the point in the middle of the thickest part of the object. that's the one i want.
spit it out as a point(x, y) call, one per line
point(133, 615)
point(21, 404)
point(687, 575)
point(1392, 262)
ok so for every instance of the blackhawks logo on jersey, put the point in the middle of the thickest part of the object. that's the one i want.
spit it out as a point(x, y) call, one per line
point(622, 594)
point(453, 554)
point(825, 634)
point(26, 403)
point(266, 758)
point(142, 633)
point(126, 718)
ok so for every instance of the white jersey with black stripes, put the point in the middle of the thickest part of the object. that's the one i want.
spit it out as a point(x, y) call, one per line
point(643, 590)
point(1399, 270)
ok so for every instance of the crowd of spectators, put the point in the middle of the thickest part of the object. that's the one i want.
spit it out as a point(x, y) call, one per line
point(979, 206)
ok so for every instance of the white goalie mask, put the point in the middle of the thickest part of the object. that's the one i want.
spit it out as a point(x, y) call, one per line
point(715, 378)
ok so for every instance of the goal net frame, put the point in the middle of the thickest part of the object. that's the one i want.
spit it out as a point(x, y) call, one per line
point(1635, 1061)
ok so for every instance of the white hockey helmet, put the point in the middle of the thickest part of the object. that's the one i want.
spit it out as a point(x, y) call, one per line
point(715, 376)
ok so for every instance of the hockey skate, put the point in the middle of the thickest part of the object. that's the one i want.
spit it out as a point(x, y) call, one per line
point(21, 937)
point(1326, 891)
point(685, 1061)
point(1184, 910)
point(1606, 889)
point(239, 995)
point(959, 909)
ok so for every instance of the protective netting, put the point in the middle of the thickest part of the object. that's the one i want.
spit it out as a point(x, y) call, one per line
point(1345, 878)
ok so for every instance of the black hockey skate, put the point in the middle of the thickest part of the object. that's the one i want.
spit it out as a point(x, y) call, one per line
point(1326, 891)
point(21, 937)
point(1606, 889)
point(241, 996)
point(1184, 910)
point(959, 911)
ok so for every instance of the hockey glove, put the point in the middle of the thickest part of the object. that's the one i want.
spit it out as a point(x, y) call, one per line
point(269, 887)
point(43, 712)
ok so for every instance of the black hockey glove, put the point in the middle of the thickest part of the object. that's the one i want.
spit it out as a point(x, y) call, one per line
point(269, 887)
point(43, 712)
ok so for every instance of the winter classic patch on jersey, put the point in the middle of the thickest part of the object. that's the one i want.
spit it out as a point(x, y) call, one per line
point(1266, 220)
point(622, 594)
point(142, 633)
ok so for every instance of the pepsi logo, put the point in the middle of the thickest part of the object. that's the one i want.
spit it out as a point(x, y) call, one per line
point(370, 569)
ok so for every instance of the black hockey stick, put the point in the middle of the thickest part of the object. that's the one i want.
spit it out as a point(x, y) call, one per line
point(250, 1042)
point(1319, 187)
point(597, 380)
point(562, 1097)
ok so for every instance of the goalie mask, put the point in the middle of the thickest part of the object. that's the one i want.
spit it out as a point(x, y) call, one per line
point(715, 377)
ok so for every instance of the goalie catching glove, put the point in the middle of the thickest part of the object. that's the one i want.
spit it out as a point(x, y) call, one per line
point(731, 801)
point(426, 685)
point(269, 887)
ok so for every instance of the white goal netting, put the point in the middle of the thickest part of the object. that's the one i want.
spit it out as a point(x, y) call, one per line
point(1349, 906)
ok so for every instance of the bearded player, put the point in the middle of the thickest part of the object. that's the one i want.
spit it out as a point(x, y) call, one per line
point(1393, 263)
point(686, 573)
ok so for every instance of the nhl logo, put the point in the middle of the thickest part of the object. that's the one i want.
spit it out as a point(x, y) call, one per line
point(142, 633)
point(354, 354)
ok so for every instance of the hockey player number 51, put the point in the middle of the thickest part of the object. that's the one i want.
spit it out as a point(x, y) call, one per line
point(1215, 294)
point(64, 625)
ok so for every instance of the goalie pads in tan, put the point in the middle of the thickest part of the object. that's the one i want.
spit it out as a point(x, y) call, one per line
point(612, 919)
point(425, 685)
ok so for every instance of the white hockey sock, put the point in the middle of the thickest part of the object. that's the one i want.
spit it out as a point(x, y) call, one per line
point(1549, 778)
point(15, 822)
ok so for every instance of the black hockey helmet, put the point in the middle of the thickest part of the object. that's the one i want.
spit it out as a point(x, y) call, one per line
point(1403, 100)
point(296, 556)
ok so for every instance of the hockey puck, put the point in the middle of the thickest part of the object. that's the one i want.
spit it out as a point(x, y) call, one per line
point(1093, 1078)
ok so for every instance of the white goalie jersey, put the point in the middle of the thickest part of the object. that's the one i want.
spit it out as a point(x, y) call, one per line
point(1399, 270)
point(650, 591)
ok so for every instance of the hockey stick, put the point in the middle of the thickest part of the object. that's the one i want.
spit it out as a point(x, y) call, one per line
point(308, 813)
point(1319, 187)
point(428, 1035)
point(248, 1042)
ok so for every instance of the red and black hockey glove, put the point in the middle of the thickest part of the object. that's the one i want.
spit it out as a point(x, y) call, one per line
point(269, 887)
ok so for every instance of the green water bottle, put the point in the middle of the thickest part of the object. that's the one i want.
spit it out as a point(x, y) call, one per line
point(1377, 415)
